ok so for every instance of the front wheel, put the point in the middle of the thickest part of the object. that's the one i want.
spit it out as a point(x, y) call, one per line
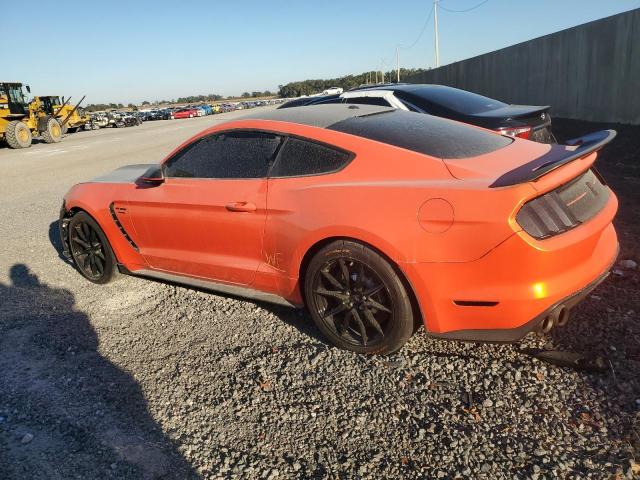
point(17, 134)
point(52, 132)
point(357, 299)
point(90, 249)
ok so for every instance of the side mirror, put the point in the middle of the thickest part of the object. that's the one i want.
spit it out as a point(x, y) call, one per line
point(28, 88)
point(153, 175)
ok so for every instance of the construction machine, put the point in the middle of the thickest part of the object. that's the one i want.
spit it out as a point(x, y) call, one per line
point(20, 121)
point(71, 118)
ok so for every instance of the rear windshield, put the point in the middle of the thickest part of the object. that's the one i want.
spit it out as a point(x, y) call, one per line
point(453, 99)
point(422, 133)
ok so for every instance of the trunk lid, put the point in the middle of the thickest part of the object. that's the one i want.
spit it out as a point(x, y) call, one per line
point(524, 161)
point(527, 113)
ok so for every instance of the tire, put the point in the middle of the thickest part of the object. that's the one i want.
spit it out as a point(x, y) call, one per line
point(52, 132)
point(65, 128)
point(18, 135)
point(368, 310)
point(90, 249)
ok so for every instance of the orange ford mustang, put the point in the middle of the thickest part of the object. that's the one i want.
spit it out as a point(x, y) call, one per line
point(375, 219)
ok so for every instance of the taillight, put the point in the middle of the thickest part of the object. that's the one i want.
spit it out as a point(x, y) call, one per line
point(520, 132)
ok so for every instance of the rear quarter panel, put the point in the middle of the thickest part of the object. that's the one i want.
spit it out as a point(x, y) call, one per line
point(377, 199)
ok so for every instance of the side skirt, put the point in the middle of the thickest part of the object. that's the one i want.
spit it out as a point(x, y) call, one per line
point(210, 286)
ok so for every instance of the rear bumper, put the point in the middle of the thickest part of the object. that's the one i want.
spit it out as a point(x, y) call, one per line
point(510, 335)
point(507, 293)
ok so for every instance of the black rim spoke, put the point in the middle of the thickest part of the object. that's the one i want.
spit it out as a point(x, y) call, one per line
point(343, 290)
point(343, 324)
point(338, 309)
point(99, 265)
point(360, 277)
point(378, 306)
point(81, 242)
point(332, 279)
point(331, 293)
point(363, 330)
point(371, 320)
point(80, 232)
point(374, 290)
point(87, 250)
point(345, 272)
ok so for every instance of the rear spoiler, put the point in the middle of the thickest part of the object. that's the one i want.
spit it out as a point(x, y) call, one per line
point(558, 156)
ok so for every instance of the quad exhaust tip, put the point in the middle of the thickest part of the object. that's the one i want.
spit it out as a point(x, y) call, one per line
point(559, 316)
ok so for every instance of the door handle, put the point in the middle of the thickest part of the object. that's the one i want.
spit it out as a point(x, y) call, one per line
point(241, 207)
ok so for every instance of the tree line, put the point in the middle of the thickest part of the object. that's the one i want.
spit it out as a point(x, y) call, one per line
point(311, 87)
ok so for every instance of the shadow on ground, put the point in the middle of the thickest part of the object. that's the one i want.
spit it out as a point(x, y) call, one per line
point(65, 410)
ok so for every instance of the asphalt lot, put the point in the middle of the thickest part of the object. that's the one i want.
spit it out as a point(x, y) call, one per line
point(144, 380)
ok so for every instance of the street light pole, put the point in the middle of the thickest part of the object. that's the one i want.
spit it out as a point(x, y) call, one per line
point(435, 22)
point(398, 64)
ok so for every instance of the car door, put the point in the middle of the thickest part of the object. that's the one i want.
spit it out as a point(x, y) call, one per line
point(207, 218)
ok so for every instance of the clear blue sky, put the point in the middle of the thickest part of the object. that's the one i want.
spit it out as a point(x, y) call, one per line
point(134, 50)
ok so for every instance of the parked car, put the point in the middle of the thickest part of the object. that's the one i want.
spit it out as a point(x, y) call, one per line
point(184, 113)
point(376, 219)
point(333, 91)
point(154, 115)
point(200, 111)
point(97, 121)
point(524, 121)
point(315, 100)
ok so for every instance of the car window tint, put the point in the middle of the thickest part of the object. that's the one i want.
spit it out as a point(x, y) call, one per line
point(453, 99)
point(434, 136)
point(299, 157)
point(226, 155)
point(379, 101)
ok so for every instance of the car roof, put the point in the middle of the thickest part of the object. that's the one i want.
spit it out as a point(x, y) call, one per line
point(418, 132)
point(323, 116)
point(407, 87)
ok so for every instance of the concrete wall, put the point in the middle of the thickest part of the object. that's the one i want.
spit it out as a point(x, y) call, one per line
point(588, 72)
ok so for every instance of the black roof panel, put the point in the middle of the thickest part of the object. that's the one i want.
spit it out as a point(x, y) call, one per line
point(419, 132)
point(322, 116)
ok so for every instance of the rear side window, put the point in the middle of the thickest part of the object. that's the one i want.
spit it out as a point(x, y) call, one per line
point(379, 101)
point(300, 157)
point(452, 99)
point(225, 155)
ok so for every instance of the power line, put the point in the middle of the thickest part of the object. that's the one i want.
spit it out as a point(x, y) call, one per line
point(424, 28)
point(465, 10)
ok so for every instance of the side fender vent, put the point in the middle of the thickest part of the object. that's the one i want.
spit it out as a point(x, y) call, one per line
point(121, 228)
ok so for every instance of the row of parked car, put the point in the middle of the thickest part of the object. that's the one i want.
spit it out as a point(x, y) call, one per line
point(523, 121)
point(120, 119)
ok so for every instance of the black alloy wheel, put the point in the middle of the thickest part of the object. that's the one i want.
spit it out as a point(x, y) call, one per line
point(90, 249)
point(357, 299)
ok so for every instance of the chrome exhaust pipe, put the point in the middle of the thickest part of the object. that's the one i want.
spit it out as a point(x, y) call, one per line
point(553, 319)
point(563, 317)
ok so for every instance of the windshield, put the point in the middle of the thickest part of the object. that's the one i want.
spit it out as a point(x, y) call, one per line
point(15, 94)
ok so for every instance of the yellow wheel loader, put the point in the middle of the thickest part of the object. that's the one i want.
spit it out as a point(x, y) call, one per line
point(19, 121)
point(71, 118)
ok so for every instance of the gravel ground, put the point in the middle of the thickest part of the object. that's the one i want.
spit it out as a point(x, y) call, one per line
point(145, 380)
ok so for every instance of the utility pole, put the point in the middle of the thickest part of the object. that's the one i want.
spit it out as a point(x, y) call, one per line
point(435, 23)
point(376, 76)
point(398, 64)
